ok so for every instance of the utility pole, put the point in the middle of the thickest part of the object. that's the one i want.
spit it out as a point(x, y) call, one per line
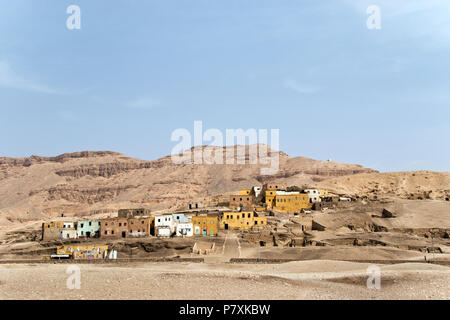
point(259, 245)
point(433, 231)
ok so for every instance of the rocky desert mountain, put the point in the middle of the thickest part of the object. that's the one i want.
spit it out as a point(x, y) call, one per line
point(88, 182)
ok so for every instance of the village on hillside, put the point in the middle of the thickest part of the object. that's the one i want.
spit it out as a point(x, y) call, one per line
point(248, 209)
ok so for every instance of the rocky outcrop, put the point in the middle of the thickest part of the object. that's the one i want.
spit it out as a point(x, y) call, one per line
point(86, 196)
point(26, 162)
point(105, 170)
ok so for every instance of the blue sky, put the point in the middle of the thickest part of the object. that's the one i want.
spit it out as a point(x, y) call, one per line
point(138, 70)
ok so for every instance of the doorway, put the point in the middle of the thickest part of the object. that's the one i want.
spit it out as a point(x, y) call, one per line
point(124, 234)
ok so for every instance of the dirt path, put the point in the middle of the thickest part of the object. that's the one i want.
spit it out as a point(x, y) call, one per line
point(232, 247)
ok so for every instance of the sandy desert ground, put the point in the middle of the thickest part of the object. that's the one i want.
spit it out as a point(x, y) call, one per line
point(293, 280)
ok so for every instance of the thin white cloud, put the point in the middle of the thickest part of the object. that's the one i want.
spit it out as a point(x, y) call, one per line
point(10, 79)
point(299, 87)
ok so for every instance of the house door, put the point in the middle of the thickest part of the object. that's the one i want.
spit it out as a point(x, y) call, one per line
point(226, 226)
point(124, 234)
point(88, 234)
point(205, 233)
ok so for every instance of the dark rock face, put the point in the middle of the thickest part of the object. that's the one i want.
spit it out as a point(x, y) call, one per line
point(387, 214)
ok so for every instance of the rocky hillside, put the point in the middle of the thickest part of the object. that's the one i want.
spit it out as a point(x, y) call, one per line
point(94, 182)
point(418, 185)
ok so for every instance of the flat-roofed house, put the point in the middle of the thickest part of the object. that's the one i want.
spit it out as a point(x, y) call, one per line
point(114, 228)
point(313, 195)
point(52, 230)
point(241, 220)
point(291, 201)
point(140, 227)
point(184, 229)
point(88, 228)
point(241, 202)
point(205, 225)
point(164, 225)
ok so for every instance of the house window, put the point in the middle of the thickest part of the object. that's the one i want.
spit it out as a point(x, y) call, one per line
point(90, 223)
point(106, 232)
point(81, 225)
point(120, 224)
point(112, 232)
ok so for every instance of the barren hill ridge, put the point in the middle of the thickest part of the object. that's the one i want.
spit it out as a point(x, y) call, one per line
point(82, 182)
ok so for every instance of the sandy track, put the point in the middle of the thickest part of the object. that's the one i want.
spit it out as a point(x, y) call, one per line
point(295, 280)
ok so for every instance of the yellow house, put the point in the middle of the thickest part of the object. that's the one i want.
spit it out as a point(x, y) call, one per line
point(53, 224)
point(245, 192)
point(241, 220)
point(52, 230)
point(83, 251)
point(205, 225)
point(323, 193)
point(270, 198)
point(291, 202)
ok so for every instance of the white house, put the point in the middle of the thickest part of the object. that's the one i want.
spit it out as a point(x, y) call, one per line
point(164, 225)
point(185, 229)
point(313, 195)
point(68, 225)
point(69, 231)
point(165, 221)
point(163, 232)
point(69, 234)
